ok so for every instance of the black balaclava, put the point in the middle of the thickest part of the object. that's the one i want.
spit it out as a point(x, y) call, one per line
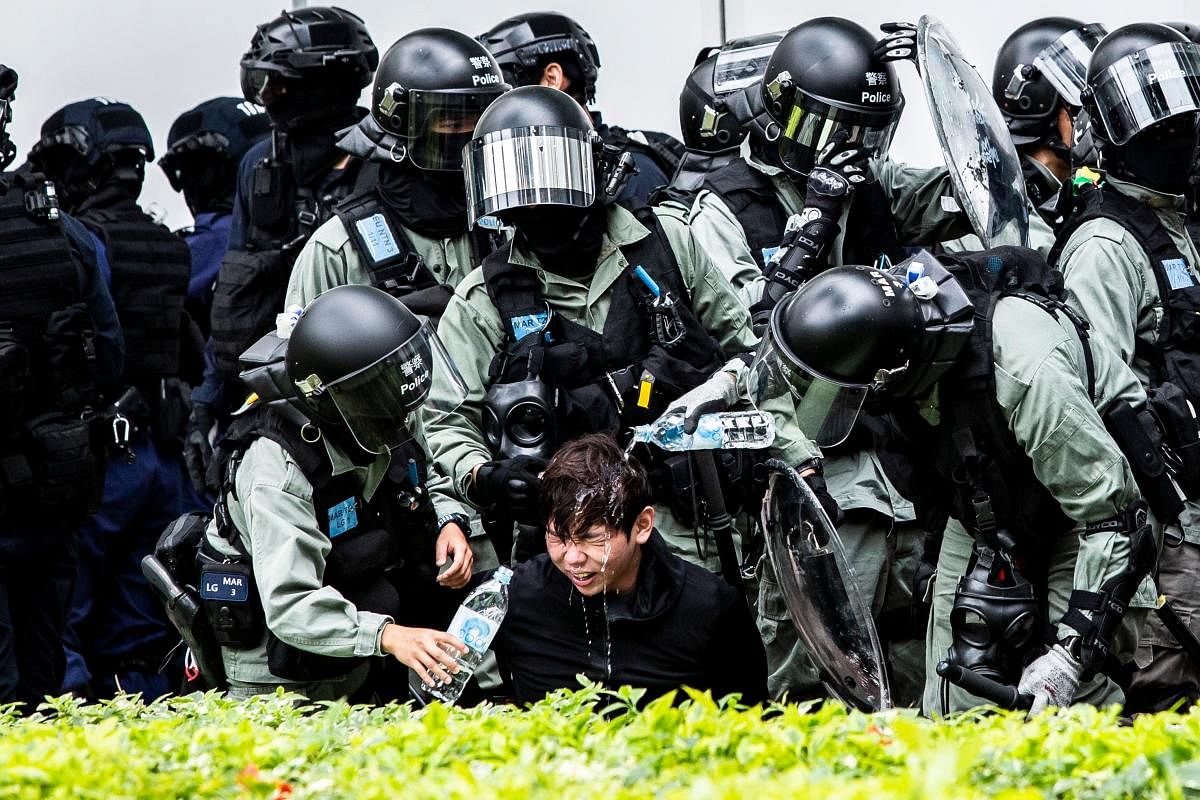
point(209, 180)
point(1160, 157)
point(432, 203)
point(566, 239)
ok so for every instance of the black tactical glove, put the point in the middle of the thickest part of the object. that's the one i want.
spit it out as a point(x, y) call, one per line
point(840, 166)
point(816, 482)
point(197, 452)
point(900, 44)
point(510, 485)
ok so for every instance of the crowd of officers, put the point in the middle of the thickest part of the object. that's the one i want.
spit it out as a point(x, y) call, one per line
point(1005, 438)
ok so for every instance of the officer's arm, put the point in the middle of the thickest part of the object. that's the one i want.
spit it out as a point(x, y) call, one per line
point(326, 260)
point(719, 234)
point(470, 330)
point(1104, 285)
point(110, 343)
point(288, 551)
point(1041, 385)
point(922, 202)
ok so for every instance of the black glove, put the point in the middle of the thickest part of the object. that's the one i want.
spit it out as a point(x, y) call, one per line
point(816, 482)
point(511, 485)
point(197, 452)
point(900, 44)
point(840, 166)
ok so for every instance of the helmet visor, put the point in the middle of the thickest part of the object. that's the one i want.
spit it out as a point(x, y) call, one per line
point(812, 124)
point(1064, 61)
point(824, 410)
point(742, 63)
point(441, 123)
point(1147, 87)
point(375, 401)
point(536, 165)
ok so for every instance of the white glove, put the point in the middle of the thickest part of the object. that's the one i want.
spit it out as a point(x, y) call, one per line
point(716, 394)
point(1052, 679)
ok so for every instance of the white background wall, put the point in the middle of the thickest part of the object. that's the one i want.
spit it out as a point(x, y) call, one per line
point(164, 56)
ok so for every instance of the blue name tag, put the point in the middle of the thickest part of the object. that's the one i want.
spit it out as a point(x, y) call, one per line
point(217, 585)
point(768, 253)
point(381, 244)
point(343, 517)
point(529, 323)
point(1178, 274)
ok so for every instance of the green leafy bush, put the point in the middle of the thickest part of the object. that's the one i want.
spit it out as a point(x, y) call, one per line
point(589, 743)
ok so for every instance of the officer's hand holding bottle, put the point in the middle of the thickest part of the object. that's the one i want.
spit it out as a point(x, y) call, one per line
point(427, 652)
point(900, 43)
point(452, 544)
point(715, 395)
point(511, 484)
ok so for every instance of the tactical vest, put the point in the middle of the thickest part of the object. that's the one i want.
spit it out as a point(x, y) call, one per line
point(47, 380)
point(750, 196)
point(380, 239)
point(1174, 356)
point(253, 281)
point(666, 151)
point(611, 380)
point(150, 271)
point(381, 556)
point(975, 470)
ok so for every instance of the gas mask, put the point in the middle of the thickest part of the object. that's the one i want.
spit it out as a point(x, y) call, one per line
point(994, 619)
point(519, 418)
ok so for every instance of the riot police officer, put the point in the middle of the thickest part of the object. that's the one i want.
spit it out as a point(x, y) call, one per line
point(60, 349)
point(591, 320)
point(324, 527)
point(547, 48)
point(204, 148)
point(1132, 269)
point(306, 67)
point(1047, 530)
point(96, 151)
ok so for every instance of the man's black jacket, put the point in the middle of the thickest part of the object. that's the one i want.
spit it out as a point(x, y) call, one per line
point(681, 626)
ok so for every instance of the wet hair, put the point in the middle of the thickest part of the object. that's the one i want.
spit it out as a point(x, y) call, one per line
point(590, 482)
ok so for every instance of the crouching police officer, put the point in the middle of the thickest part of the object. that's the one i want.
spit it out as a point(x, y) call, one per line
point(322, 550)
point(1005, 404)
point(592, 320)
point(1131, 268)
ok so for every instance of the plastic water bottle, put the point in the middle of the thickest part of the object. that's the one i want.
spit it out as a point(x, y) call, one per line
point(475, 623)
point(728, 430)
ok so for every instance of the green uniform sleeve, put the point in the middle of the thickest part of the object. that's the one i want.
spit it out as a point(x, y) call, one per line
point(326, 260)
point(470, 330)
point(1041, 386)
point(288, 551)
point(719, 234)
point(916, 196)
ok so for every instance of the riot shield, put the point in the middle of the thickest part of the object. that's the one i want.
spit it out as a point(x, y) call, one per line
point(983, 162)
point(819, 588)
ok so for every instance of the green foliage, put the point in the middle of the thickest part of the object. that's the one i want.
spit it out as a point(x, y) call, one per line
point(589, 743)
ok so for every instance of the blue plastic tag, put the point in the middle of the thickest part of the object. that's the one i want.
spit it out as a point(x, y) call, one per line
point(218, 585)
point(1178, 274)
point(768, 253)
point(343, 517)
point(529, 323)
point(376, 234)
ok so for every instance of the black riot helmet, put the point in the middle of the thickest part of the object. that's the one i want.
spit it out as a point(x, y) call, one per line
point(90, 144)
point(430, 89)
point(8, 93)
point(1189, 29)
point(360, 350)
point(1143, 97)
point(309, 64)
point(1041, 67)
point(523, 45)
point(821, 79)
point(708, 124)
point(205, 146)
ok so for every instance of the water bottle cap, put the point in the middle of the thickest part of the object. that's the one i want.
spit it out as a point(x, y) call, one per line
point(503, 575)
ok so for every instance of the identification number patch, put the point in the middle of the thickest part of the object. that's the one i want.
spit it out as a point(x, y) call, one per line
point(529, 323)
point(376, 234)
point(229, 586)
point(343, 517)
point(1178, 274)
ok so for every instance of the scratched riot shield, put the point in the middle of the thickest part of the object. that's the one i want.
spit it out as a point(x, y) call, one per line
point(985, 168)
point(822, 596)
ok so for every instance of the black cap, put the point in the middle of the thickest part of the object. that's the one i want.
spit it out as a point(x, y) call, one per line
point(524, 44)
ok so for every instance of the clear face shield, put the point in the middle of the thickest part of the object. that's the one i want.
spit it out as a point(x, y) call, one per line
point(529, 166)
point(1064, 61)
point(1147, 87)
point(439, 124)
point(375, 401)
point(812, 124)
point(742, 62)
point(824, 410)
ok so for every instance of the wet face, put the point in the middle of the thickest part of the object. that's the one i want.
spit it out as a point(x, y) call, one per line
point(603, 558)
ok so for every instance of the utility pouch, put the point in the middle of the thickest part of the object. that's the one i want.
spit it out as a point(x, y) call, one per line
point(173, 406)
point(70, 353)
point(1181, 435)
point(271, 194)
point(60, 454)
point(356, 556)
point(1145, 460)
point(250, 290)
point(14, 374)
point(178, 545)
point(231, 600)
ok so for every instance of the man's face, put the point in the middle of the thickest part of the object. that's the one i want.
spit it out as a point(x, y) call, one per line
point(602, 559)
